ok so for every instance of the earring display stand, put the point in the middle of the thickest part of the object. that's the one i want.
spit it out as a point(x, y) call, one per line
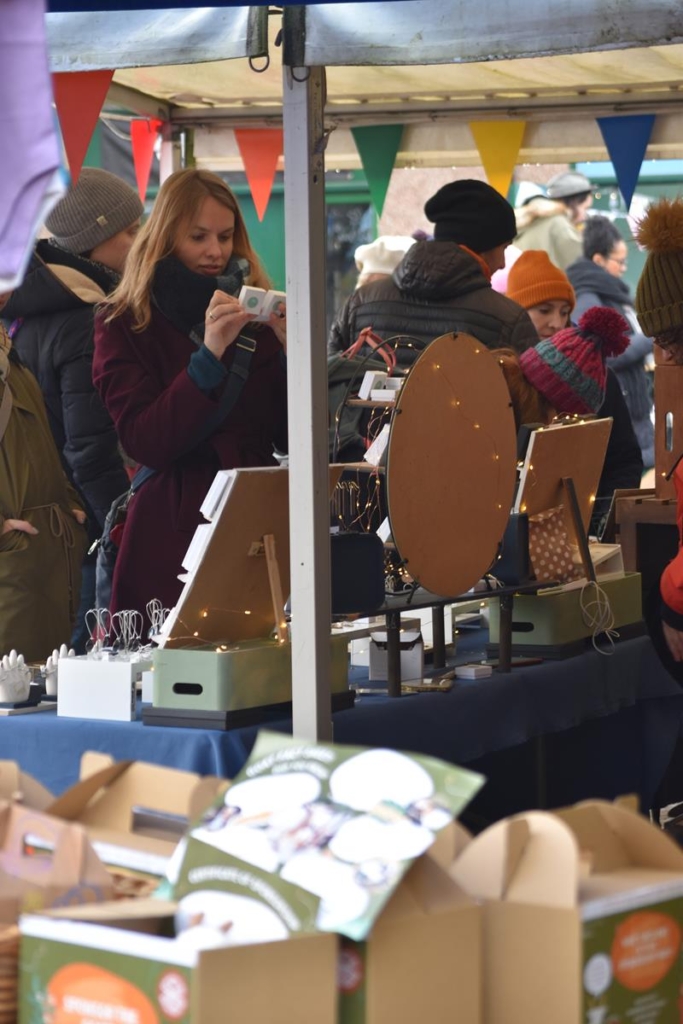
point(218, 652)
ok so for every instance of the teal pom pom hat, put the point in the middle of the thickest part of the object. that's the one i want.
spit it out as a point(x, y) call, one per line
point(569, 368)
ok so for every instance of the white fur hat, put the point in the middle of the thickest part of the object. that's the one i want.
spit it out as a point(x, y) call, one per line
point(381, 256)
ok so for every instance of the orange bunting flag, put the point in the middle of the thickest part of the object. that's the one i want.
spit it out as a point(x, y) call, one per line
point(143, 137)
point(499, 143)
point(79, 98)
point(260, 149)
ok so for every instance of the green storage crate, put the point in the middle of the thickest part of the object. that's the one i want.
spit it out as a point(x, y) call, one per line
point(249, 674)
point(554, 618)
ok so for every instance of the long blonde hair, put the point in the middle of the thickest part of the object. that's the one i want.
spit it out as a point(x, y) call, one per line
point(177, 205)
point(528, 404)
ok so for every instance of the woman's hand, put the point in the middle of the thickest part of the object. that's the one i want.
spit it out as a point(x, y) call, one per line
point(674, 641)
point(225, 318)
point(79, 515)
point(22, 525)
point(278, 322)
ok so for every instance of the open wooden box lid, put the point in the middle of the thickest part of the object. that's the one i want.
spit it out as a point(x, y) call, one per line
point(230, 596)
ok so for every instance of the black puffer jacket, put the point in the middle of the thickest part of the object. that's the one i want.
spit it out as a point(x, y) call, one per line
point(54, 338)
point(437, 287)
point(595, 286)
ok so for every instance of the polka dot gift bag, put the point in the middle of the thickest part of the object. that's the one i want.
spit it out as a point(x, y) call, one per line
point(550, 549)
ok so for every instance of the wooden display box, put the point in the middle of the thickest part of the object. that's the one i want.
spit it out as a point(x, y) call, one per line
point(648, 534)
point(554, 618)
point(249, 674)
point(668, 426)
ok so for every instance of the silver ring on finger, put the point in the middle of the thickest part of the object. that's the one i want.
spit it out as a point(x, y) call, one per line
point(211, 315)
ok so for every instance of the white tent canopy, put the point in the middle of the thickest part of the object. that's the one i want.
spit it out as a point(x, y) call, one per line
point(167, 66)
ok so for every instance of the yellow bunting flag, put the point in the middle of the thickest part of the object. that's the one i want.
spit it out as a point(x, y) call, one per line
point(499, 143)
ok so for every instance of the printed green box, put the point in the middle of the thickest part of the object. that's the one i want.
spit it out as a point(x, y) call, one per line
point(121, 964)
point(583, 917)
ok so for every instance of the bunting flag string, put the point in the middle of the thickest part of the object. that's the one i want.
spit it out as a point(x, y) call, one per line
point(260, 149)
point(79, 98)
point(627, 140)
point(378, 147)
point(498, 143)
point(143, 137)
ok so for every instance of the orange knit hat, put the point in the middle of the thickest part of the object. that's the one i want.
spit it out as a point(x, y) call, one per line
point(533, 279)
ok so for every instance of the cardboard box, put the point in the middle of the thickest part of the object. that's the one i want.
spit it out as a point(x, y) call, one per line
point(422, 960)
point(583, 917)
point(135, 813)
point(89, 688)
point(243, 675)
point(22, 788)
point(44, 861)
point(412, 655)
point(120, 962)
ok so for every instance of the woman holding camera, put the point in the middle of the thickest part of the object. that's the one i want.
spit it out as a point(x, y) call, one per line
point(192, 383)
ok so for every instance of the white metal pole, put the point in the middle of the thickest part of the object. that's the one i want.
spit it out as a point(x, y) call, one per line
point(309, 508)
point(170, 158)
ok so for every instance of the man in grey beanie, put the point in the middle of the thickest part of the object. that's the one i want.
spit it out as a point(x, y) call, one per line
point(51, 318)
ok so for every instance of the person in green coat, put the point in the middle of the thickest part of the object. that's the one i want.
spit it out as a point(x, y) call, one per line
point(42, 533)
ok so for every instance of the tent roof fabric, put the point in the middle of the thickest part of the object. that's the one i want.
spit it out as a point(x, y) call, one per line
point(218, 87)
point(449, 31)
point(93, 40)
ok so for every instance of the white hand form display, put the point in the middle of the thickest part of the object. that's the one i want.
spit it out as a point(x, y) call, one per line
point(15, 678)
point(50, 669)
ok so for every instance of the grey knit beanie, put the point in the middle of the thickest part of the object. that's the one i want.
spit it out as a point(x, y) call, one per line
point(95, 209)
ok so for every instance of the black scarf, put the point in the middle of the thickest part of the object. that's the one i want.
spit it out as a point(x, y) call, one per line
point(183, 296)
point(587, 276)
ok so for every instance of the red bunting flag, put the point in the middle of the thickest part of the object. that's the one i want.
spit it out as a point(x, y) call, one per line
point(260, 149)
point(143, 137)
point(79, 98)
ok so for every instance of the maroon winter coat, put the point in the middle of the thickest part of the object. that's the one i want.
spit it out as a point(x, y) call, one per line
point(157, 410)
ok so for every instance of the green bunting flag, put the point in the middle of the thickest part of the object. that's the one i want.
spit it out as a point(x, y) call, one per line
point(377, 147)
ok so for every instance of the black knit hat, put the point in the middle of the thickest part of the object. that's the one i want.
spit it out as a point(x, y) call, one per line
point(471, 213)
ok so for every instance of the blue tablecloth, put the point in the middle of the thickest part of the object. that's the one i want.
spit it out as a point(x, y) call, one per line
point(630, 705)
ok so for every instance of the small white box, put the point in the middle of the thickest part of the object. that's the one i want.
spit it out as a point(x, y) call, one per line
point(252, 299)
point(412, 655)
point(473, 671)
point(383, 395)
point(260, 302)
point(91, 688)
point(384, 530)
point(372, 379)
point(148, 686)
point(271, 303)
point(375, 452)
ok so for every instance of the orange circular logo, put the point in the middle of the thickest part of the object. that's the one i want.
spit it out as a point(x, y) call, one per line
point(81, 992)
point(645, 948)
